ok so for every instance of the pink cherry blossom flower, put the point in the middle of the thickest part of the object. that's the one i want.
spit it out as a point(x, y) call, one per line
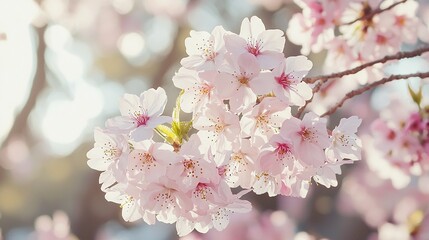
point(340, 55)
point(314, 26)
point(198, 89)
point(265, 182)
point(193, 166)
point(108, 149)
point(309, 137)
point(278, 155)
point(379, 42)
point(326, 174)
point(127, 196)
point(345, 143)
point(140, 115)
point(205, 50)
point(300, 182)
point(165, 199)
point(148, 161)
point(241, 163)
point(231, 204)
point(403, 19)
point(240, 81)
point(109, 155)
point(287, 78)
point(218, 126)
point(265, 118)
point(300, 32)
point(218, 215)
point(266, 45)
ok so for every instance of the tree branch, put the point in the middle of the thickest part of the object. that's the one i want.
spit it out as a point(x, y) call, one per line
point(39, 82)
point(375, 12)
point(371, 86)
point(397, 56)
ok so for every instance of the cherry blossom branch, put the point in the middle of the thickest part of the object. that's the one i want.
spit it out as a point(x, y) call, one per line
point(375, 12)
point(397, 56)
point(371, 86)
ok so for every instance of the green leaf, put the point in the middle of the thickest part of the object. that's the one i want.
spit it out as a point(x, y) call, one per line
point(185, 127)
point(167, 133)
point(175, 126)
point(417, 97)
point(176, 110)
point(179, 130)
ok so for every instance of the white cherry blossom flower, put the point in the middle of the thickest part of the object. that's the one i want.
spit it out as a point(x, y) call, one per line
point(205, 49)
point(140, 115)
point(266, 45)
point(345, 143)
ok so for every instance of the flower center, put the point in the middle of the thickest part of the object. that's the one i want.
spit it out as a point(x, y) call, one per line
point(111, 153)
point(343, 140)
point(207, 49)
point(188, 164)
point(142, 120)
point(209, 54)
point(282, 148)
point(205, 89)
point(254, 48)
point(263, 175)
point(222, 170)
point(306, 134)
point(284, 80)
point(262, 120)
point(243, 80)
point(128, 200)
point(201, 191)
point(237, 157)
point(147, 158)
point(219, 127)
point(380, 39)
point(400, 21)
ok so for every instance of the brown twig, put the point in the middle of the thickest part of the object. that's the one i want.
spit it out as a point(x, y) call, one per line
point(375, 12)
point(397, 56)
point(371, 86)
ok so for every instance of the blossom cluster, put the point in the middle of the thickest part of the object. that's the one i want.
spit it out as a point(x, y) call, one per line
point(401, 143)
point(356, 31)
point(240, 90)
